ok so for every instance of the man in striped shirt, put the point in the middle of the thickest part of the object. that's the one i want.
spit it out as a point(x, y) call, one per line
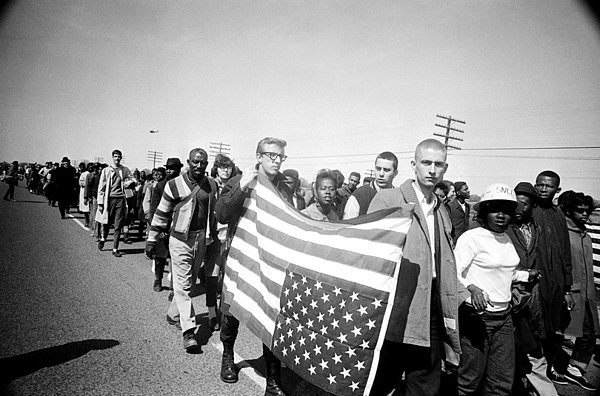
point(187, 203)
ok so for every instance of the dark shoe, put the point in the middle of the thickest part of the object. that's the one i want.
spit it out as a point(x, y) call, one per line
point(558, 379)
point(116, 253)
point(157, 286)
point(63, 217)
point(171, 295)
point(228, 371)
point(127, 240)
point(173, 322)
point(213, 324)
point(100, 245)
point(189, 341)
point(575, 375)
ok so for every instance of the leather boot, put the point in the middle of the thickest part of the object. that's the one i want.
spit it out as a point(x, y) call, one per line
point(228, 371)
point(273, 367)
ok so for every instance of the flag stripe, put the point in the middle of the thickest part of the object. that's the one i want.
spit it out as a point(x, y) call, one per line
point(296, 222)
point(316, 291)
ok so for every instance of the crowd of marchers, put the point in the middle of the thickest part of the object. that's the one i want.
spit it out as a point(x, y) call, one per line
point(506, 304)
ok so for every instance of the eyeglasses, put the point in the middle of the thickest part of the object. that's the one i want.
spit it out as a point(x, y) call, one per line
point(273, 156)
point(583, 210)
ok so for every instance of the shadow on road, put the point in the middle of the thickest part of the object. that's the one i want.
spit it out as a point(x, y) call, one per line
point(21, 365)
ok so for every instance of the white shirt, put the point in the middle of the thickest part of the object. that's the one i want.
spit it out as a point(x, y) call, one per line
point(352, 208)
point(488, 260)
point(427, 208)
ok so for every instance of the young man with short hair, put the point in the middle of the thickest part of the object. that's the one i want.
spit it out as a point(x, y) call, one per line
point(386, 169)
point(425, 310)
point(112, 207)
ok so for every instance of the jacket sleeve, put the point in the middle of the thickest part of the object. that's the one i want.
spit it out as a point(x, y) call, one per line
point(566, 253)
point(162, 216)
point(230, 205)
point(102, 186)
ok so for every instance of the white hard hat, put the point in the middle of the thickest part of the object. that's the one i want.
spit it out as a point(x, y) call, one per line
point(497, 192)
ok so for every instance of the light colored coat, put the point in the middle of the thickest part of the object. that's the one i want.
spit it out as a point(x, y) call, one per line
point(583, 288)
point(104, 186)
point(410, 319)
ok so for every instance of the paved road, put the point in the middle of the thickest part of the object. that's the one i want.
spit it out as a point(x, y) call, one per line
point(78, 321)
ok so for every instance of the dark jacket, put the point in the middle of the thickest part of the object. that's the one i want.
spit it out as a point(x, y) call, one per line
point(554, 263)
point(230, 205)
point(410, 318)
point(459, 218)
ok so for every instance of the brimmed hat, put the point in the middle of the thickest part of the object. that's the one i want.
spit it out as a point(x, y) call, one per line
point(173, 162)
point(65, 159)
point(293, 173)
point(497, 192)
point(458, 185)
point(526, 188)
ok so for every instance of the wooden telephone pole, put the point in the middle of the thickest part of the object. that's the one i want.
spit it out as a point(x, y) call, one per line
point(448, 127)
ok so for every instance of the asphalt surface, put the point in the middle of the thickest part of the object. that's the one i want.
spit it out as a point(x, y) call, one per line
point(78, 321)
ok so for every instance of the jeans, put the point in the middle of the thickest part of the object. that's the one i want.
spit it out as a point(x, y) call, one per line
point(488, 352)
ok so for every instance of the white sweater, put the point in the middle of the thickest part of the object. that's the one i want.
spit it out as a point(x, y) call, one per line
point(488, 260)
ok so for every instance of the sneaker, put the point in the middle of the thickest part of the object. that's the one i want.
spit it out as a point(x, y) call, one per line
point(575, 376)
point(116, 253)
point(558, 379)
point(100, 244)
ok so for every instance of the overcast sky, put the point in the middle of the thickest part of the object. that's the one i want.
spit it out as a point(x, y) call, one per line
point(339, 80)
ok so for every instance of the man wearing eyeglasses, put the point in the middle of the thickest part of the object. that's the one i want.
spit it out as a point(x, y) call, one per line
point(185, 211)
point(270, 154)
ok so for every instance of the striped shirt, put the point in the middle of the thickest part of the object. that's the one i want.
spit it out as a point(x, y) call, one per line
point(175, 206)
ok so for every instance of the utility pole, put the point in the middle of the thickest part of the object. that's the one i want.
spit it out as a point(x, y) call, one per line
point(369, 173)
point(219, 148)
point(98, 159)
point(154, 156)
point(448, 127)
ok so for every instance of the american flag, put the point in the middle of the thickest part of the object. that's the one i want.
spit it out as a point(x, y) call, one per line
point(317, 293)
point(593, 228)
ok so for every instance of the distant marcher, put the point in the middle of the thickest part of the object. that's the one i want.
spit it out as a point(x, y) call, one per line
point(64, 185)
point(292, 179)
point(460, 210)
point(348, 189)
point(12, 179)
point(84, 206)
point(112, 207)
point(91, 193)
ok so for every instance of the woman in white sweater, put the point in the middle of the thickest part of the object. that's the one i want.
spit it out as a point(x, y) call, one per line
point(486, 262)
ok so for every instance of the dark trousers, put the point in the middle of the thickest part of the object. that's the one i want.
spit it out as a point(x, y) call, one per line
point(229, 326)
point(488, 352)
point(10, 193)
point(421, 366)
point(584, 345)
point(116, 216)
